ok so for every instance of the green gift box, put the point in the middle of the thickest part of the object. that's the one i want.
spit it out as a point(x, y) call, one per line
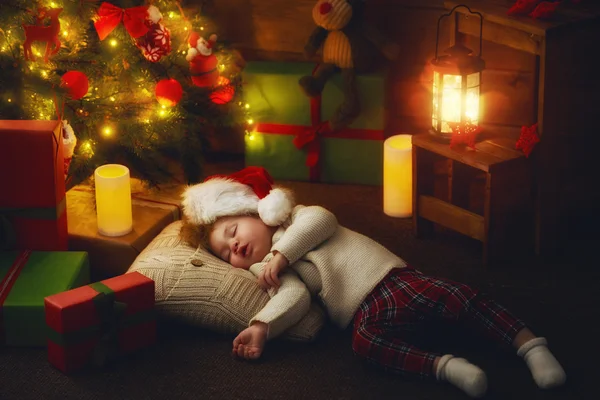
point(26, 278)
point(285, 115)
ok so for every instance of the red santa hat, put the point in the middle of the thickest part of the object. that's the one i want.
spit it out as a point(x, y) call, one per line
point(245, 192)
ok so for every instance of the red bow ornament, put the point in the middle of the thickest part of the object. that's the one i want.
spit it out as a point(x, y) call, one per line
point(528, 139)
point(544, 10)
point(109, 16)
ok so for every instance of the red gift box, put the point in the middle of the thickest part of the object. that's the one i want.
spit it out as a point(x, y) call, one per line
point(32, 198)
point(94, 323)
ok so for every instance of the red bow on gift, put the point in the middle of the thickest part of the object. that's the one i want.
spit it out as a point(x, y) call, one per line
point(308, 138)
point(109, 16)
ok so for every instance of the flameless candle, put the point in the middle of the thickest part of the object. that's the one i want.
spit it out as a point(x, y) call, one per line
point(397, 176)
point(113, 200)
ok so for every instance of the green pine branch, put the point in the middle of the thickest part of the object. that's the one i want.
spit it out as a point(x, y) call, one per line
point(119, 120)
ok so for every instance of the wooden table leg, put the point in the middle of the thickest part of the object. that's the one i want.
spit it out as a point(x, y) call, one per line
point(423, 181)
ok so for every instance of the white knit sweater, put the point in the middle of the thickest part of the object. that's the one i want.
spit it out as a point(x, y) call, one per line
point(335, 263)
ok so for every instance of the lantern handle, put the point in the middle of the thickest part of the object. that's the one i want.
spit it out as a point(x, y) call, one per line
point(437, 38)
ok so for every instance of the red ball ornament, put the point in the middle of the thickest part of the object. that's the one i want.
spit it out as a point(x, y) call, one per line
point(168, 92)
point(222, 94)
point(76, 82)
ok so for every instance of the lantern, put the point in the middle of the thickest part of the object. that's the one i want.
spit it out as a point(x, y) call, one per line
point(456, 83)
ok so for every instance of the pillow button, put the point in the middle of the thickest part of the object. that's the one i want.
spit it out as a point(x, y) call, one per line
point(197, 263)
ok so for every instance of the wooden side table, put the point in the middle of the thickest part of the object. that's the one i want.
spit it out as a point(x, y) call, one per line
point(565, 52)
point(507, 219)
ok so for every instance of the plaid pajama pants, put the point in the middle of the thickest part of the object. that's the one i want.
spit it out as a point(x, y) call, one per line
point(406, 299)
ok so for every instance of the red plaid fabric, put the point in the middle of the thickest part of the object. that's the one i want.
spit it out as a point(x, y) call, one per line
point(403, 301)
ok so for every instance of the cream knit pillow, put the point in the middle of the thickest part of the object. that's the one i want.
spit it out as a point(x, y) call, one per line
point(196, 287)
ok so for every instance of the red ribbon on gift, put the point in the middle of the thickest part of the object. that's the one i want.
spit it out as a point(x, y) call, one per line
point(308, 137)
point(8, 281)
point(109, 16)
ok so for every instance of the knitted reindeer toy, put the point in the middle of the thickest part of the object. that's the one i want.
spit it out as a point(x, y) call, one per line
point(348, 45)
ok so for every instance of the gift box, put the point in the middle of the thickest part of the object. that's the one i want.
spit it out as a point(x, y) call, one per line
point(287, 139)
point(95, 323)
point(32, 182)
point(152, 211)
point(26, 278)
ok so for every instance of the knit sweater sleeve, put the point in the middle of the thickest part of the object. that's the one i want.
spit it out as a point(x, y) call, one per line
point(310, 226)
point(287, 305)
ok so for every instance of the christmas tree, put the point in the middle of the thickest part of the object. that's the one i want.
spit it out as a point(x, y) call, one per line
point(138, 83)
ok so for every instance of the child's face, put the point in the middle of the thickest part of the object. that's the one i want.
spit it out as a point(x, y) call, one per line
point(241, 240)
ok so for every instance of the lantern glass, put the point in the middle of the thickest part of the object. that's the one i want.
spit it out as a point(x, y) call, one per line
point(455, 99)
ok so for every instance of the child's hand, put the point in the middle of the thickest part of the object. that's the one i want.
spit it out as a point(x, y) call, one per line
point(250, 343)
point(269, 276)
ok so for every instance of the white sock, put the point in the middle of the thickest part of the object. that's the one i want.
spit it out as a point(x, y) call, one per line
point(462, 374)
point(547, 372)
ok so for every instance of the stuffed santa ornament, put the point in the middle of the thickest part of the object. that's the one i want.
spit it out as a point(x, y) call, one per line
point(203, 63)
point(245, 192)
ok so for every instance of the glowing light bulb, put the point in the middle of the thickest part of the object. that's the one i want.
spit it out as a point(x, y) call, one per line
point(87, 149)
point(185, 28)
point(112, 98)
point(45, 74)
point(171, 14)
point(201, 28)
point(221, 67)
point(114, 43)
point(10, 100)
point(107, 131)
point(247, 106)
point(250, 121)
point(162, 113)
point(52, 4)
point(65, 33)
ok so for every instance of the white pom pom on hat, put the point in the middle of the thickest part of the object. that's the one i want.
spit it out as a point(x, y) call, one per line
point(245, 192)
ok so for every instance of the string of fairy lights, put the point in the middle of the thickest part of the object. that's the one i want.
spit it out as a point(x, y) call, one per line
point(44, 107)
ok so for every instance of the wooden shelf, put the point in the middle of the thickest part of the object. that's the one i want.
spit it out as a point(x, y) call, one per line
point(488, 155)
point(519, 32)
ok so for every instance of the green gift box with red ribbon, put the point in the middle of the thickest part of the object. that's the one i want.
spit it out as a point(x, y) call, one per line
point(32, 186)
point(94, 324)
point(290, 138)
point(26, 278)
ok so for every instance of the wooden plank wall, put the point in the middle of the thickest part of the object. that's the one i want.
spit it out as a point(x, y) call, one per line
point(277, 30)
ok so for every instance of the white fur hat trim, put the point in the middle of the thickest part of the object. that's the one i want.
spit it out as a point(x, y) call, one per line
point(204, 202)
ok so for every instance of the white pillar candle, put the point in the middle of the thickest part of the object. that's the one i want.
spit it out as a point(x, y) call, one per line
point(397, 176)
point(113, 200)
